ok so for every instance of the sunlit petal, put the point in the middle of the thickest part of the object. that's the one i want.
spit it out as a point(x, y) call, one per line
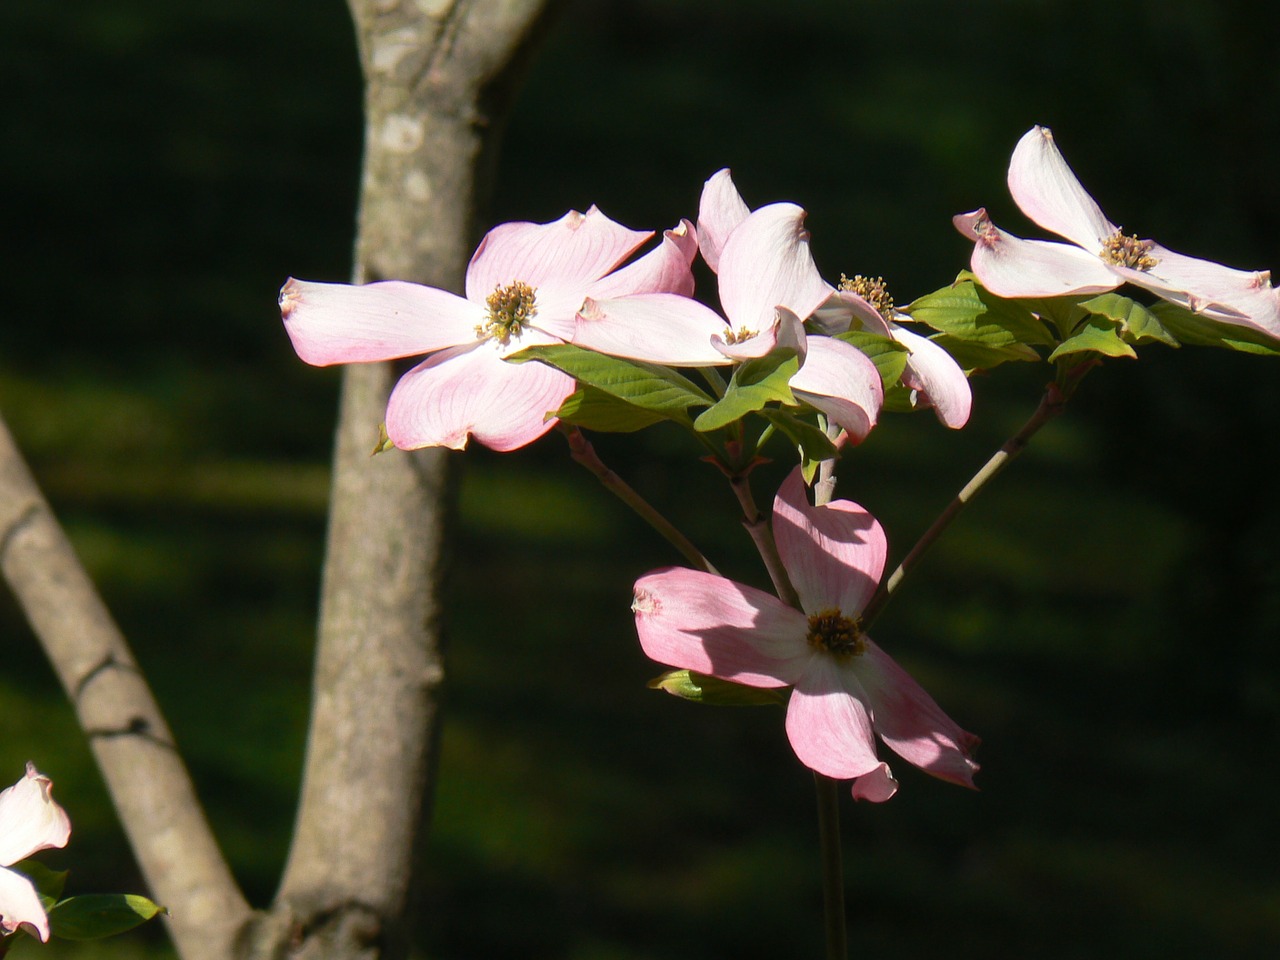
point(786, 333)
point(720, 211)
point(1009, 266)
point(702, 622)
point(936, 377)
point(20, 905)
point(341, 323)
point(30, 819)
point(1048, 192)
point(656, 327)
point(834, 553)
point(472, 391)
point(663, 270)
point(841, 381)
point(567, 255)
point(765, 264)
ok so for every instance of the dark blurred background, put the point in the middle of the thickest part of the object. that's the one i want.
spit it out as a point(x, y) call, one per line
point(1106, 618)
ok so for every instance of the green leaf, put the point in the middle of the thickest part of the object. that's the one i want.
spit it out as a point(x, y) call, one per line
point(1098, 335)
point(713, 691)
point(593, 409)
point(1137, 323)
point(968, 312)
point(979, 356)
point(646, 385)
point(1198, 331)
point(754, 384)
point(814, 445)
point(889, 356)
point(48, 883)
point(95, 916)
point(897, 399)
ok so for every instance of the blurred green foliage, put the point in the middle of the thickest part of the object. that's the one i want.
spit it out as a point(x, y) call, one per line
point(1106, 618)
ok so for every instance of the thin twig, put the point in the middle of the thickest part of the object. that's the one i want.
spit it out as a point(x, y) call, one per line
point(828, 792)
point(761, 533)
point(582, 451)
point(1052, 403)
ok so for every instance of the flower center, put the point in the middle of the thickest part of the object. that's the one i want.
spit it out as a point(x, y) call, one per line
point(1122, 251)
point(874, 291)
point(510, 308)
point(833, 632)
point(740, 335)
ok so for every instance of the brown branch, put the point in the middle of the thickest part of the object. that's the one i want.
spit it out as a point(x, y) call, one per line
point(131, 742)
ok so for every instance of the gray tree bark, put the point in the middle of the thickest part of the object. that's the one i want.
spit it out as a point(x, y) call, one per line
point(436, 78)
point(433, 73)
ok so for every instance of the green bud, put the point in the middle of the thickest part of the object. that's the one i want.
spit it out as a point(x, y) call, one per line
point(713, 691)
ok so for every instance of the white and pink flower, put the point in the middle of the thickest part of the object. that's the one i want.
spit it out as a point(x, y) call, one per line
point(768, 286)
point(524, 286)
point(30, 821)
point(1100, 256)
point(846, 689)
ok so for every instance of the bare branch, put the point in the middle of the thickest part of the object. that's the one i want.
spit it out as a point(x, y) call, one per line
point(135, 751)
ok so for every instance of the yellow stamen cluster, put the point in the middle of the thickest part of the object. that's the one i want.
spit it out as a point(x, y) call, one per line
point(1122, 251)
point(831, 631)
point(874, 291)
point(510, 308)
point(739, 335)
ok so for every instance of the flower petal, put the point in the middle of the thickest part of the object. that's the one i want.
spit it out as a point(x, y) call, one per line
point(664, 270)
point(936, 377)
point(845, 310)
point(1048, 192)
point(911, 723)
point(343, 323)
point(841, 381)
point(834, 553)
point(1217, 291)
point(828, 725)
point(20, 905)
point(655, 327)
point(472, 391)
point(876, 786)
point(565, 256)
point(787, 333)
point(720, 211)
point(699, 621)
point(765, 263)
point(1009, 266)
point(30, 820)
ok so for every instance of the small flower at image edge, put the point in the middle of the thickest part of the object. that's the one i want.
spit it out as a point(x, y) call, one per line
point(524, 286)
point(846, 689)
point(30, 821)
point(1100, 256)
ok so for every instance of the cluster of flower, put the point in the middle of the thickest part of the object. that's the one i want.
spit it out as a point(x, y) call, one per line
point(534, 286)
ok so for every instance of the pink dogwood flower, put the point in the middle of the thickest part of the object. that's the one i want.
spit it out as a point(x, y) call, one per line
point(1100, 256)
point(30, 821)
point(524, 286)
point(768, 285)
point(767, 265)
point(845, 688)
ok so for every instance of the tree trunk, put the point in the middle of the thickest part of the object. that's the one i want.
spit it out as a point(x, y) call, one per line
point(432, 82)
